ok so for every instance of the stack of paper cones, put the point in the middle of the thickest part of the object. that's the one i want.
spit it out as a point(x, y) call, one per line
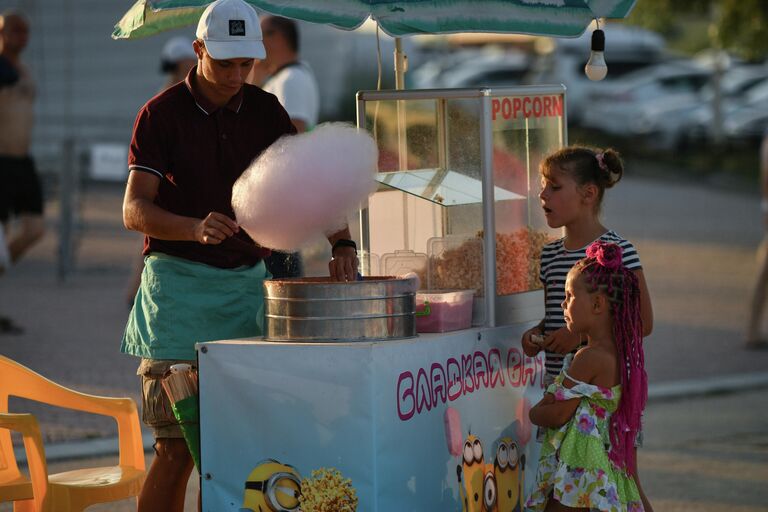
point(181, 387)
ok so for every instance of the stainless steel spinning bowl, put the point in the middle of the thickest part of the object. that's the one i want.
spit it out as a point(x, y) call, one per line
point(318, 309)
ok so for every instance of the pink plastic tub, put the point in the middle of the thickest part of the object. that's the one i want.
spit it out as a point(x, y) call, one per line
point(444, 310)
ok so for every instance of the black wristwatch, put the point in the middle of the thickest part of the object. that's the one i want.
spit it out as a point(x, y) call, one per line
point(343, 242)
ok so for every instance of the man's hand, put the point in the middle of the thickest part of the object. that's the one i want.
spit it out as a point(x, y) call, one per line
point(562, 341)
point(215, 228)
point(343, 265)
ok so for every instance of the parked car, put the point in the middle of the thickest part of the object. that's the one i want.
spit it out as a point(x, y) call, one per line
point(670, 124)
point(627, 49)
point(736, 111)
point(748, 122)
point(615, 112)
point(746, 126)
point(473, 68)
point(429, 75)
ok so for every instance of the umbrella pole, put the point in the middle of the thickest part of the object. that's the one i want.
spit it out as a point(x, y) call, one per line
point(401, 64)
point(402, 146)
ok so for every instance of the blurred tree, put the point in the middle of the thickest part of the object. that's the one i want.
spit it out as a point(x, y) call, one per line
point(743, 28)
point(740, 26)
point(663, 16)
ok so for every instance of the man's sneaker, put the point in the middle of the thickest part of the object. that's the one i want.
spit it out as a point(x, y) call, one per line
point(7, 326)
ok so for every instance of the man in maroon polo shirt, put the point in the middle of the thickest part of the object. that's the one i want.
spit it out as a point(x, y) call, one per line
point(203, 275)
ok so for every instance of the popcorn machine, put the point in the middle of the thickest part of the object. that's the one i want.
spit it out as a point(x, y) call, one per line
point(455, 165)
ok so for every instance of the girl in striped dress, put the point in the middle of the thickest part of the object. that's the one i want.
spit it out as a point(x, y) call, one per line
point(574, 180)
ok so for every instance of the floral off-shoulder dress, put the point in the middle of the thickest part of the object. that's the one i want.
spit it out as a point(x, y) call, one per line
point(574, 466)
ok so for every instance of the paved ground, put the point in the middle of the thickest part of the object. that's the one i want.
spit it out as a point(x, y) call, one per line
point(708, 454)
point(700, 455)
point(697, 243)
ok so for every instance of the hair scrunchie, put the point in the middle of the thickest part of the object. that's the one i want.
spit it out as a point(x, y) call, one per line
point(600, 157)
point(606, 254)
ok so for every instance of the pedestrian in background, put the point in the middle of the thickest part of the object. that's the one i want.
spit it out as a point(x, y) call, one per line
point(21, 193)
point(754, 339)
point(574, 180)
point(283, 74)
point(203, 275)
point(292, 81)
point(176, 59)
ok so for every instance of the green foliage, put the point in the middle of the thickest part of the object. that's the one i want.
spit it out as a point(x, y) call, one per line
point(740, 26)
point(653, 15)
point(743, 28)
point(663, 16)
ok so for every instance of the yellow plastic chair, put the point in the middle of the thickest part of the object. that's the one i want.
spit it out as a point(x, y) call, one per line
point(70, 491)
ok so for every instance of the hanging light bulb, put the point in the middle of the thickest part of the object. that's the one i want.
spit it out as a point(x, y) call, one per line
point(596, 68)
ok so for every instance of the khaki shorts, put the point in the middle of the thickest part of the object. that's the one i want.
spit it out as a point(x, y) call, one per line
point(156, 412)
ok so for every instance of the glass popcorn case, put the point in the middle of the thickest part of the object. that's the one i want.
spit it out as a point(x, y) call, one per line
point(454, 165)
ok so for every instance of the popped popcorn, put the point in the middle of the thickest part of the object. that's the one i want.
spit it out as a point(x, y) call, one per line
point(517, 263)
point(327, 491)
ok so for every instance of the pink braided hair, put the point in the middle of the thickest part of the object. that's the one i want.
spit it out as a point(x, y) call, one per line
point(604, 272)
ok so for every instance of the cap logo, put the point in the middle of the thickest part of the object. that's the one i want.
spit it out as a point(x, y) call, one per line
point(237, 27)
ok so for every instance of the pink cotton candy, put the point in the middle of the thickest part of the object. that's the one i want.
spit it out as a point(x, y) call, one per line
point(452, 423)
point(305, 185)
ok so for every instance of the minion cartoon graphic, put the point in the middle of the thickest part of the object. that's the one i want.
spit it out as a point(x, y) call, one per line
point(509, 470)
point(490, 495)
point(472, 471)
point(272, 487)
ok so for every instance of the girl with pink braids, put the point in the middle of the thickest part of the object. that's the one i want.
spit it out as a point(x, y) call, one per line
point(592, 411)
point(573, 182)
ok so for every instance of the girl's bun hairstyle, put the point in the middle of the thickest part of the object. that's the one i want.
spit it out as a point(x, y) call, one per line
point(614, 167)
point(602, 167)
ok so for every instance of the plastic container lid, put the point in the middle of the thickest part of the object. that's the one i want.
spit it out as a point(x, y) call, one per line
point(445, 296)
point(401, 262)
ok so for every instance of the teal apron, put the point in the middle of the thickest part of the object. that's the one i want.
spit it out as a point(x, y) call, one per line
point(180, 303)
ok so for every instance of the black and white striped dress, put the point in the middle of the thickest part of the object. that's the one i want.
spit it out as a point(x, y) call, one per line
point(556, 261)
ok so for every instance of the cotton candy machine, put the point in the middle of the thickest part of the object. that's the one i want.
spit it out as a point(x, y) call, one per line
point(318, 309)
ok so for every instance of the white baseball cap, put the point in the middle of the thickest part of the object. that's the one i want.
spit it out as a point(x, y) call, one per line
point(178, 48)
point(231, 30)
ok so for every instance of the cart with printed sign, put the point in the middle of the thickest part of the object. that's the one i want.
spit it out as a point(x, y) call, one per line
point(424, 415)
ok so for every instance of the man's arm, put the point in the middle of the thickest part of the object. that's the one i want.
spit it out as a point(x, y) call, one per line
point(140, 213)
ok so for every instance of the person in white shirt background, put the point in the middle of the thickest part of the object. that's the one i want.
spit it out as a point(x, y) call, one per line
point(284, 75)
point(292, 81)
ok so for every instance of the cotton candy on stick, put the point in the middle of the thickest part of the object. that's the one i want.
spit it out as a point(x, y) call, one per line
point(304, 185)
point(452, 425)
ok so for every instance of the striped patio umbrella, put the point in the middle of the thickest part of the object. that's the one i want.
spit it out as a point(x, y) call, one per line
point(559, 18)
